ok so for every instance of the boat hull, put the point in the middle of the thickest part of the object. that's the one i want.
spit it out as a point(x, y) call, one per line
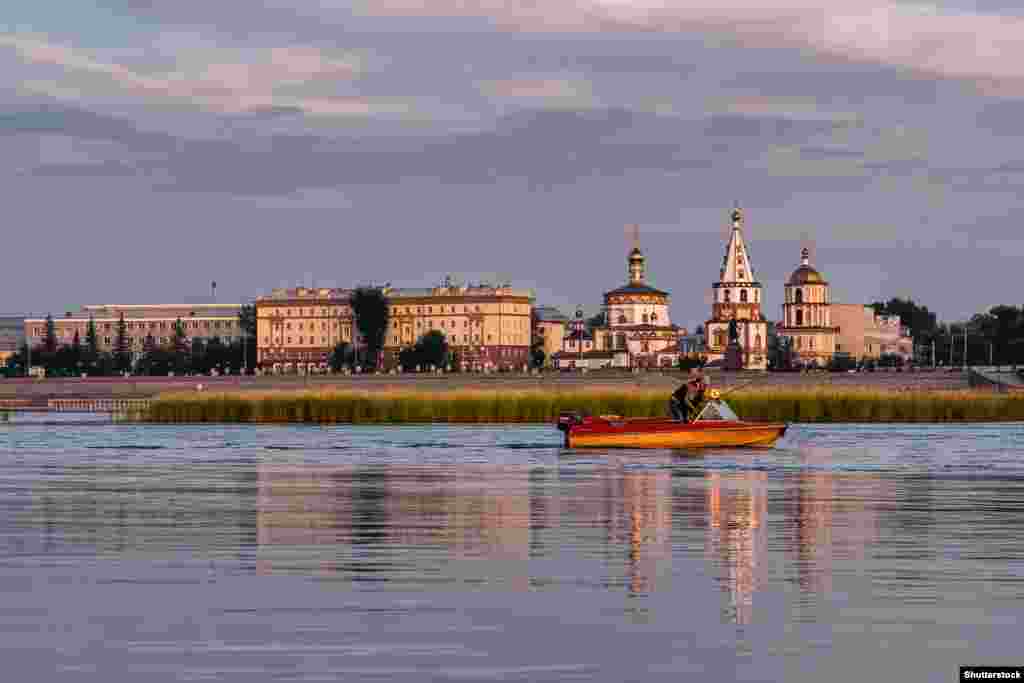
point(671, 434)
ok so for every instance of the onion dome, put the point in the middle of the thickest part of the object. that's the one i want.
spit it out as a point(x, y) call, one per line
point(806, 274)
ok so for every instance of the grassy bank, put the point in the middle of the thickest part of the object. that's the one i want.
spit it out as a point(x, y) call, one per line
point(398, 406)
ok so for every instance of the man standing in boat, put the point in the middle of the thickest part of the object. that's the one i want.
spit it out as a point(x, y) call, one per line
point(687, 399)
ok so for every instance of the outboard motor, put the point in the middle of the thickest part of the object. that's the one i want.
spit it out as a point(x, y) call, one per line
point(568, 418)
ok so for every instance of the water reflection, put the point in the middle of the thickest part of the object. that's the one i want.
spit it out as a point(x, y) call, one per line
point(736, 538)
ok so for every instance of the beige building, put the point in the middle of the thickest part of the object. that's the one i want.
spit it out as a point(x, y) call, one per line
point(141, 320)
point(737, 297)
point(549, 327)
point(297, 329)
point(487, 327)
point(807, 315)
point(637, 329)
point(865, 335)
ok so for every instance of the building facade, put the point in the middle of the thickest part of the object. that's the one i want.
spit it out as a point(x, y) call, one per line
point(865, 335)
point(298, 328)
point(549, 329)
point(203, 321)
point(737, 296)
point(12, 336)
point(807, 316)
point(584, 348)
point(487, 327)
point(637, 330)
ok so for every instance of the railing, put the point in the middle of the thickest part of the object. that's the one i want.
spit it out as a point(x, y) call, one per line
point(97, 405)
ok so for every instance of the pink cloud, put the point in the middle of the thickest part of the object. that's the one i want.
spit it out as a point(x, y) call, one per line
point(230, 86)
point(983, 48)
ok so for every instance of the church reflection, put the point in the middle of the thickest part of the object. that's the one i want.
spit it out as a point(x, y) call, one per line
point(736, 536)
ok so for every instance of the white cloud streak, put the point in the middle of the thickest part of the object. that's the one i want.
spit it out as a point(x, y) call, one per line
point(221, 86)
point(985, 49)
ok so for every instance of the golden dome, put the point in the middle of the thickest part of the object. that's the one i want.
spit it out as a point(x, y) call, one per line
point(806, 275)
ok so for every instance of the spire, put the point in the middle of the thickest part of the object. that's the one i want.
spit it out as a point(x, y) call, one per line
point(635, 264)
point(805, 257)
point(736, 267)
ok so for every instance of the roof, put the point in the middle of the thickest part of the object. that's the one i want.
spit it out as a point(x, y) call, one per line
point(550, 314)
point(736, 266)
point(806, 275)
point(636, 289)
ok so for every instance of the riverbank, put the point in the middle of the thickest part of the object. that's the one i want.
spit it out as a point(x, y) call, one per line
point(400, 406)
point(38, 392)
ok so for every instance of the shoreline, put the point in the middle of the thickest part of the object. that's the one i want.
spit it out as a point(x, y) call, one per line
point(820, 405)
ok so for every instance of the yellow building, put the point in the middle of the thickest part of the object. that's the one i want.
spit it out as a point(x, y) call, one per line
point(487, 327)
point(199, 321)
point(297, 329)
point(807, 315)
point(549, 325)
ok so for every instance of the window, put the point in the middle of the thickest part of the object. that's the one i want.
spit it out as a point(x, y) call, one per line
point(799, 294)
point(289, 340)
point(645, 318)
point(799, 318)
point(106, 340)
point(266, 340)
point(799, 342)
point(728, 296)
point(757, 341)
point(287, 326)
point(654, 316)
point(743, 296)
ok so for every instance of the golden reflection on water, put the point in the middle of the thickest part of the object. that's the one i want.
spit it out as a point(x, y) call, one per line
point(480, 522)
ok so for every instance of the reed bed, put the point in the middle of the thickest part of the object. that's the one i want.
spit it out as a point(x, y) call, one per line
point(403, 406)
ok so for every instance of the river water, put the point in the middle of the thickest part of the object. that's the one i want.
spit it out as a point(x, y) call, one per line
point(242, 553)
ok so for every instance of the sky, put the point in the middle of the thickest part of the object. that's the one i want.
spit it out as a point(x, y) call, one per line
point(149, 148)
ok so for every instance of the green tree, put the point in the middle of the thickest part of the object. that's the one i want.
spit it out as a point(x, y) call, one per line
point(918, 319)
point(197, 357)
point(537, 355)
point(122, 351)
point(179, 348)
point(50, 341)
point(597, 320)
point(91, 353)
point(370, 307)
point(432, 349)
point(341, 356)
point(247, 324)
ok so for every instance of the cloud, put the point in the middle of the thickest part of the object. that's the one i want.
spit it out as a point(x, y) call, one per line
point(982, 48)
point(267, 82)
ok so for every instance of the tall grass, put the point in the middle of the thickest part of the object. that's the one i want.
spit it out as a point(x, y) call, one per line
point(489, 406)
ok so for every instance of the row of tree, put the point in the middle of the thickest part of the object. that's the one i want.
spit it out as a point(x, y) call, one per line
point(180, 355)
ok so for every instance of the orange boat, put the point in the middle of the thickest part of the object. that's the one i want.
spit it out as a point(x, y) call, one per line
point(715, 426)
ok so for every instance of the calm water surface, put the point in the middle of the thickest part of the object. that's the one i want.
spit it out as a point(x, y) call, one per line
point(847, 553)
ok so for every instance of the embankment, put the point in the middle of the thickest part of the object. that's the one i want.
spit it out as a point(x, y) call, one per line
point(478, 405)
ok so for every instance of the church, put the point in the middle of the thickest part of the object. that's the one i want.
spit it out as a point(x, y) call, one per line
point(736, 319)
point(637, 331)
point(807, 315)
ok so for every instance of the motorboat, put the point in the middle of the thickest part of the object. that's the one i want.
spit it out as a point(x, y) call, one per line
point(716, 425)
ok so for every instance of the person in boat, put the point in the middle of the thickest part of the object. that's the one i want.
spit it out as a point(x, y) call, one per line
point(687, 397)
point(695, 395)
